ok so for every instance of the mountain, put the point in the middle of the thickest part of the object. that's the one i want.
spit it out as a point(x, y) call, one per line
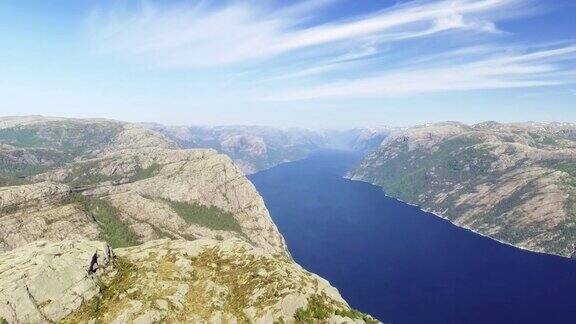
point(75, 193)
point(200, 281)
point(256, 148)
point(363, 140)
point(513, 182)
point(253, 148)
point(123, 183)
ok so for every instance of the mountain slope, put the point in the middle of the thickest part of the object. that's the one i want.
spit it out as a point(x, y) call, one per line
point(512, 182)
point(73, 183)
point(163, 281)
point(130, 186)
point(253, 148)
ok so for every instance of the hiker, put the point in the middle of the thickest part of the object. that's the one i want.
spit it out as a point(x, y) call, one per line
point(93, 263)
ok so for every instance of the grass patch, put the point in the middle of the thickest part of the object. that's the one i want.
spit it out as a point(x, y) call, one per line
point(316, 310)
point(12, 172)
point(568, 167)
point(115, 232)
point(355, 314)
point(21, 137)
point(210, 217)
point(3, 320)
point(86, 173)
point(145, 173)
point(319, 310)
point(108, 303)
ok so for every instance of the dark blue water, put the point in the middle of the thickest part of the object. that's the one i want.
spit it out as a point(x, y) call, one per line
point(404, 265)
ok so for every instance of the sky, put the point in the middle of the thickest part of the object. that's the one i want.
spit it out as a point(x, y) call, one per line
point(310, 63)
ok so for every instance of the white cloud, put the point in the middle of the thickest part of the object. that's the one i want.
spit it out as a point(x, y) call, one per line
point(200, 36)
point(536, 69)
point(281, 54)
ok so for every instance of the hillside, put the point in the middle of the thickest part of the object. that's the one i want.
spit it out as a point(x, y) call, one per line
point(253, 148)
point(197, 281)
point(71, 188)
point(513, 182)
point(123, 183)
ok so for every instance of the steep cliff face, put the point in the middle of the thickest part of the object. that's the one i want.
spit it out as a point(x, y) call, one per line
point(72, 185)
point(128, 185)
point(515, 182)
point(197, 281)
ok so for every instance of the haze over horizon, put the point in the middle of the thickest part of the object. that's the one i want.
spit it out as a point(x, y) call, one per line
point(312, 64)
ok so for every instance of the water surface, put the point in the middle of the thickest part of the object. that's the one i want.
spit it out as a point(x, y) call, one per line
point(404, 265)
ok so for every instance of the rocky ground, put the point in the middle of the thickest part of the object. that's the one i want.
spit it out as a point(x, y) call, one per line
point(512, 182)
point(200, 281)
point(65, 184)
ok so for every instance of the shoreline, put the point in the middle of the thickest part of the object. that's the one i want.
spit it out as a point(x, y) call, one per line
point(451, 222)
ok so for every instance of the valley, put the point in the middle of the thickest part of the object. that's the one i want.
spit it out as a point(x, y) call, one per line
point(404, 265)
point(169, 202)
point(106, 221)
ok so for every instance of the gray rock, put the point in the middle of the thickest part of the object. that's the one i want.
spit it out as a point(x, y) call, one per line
point(44, 282)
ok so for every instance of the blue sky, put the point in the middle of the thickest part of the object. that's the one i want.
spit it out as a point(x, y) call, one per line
point(312, 63)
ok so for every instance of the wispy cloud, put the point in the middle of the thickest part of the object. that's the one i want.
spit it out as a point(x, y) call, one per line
point(535, 69)
point(338, 59)
point(199, 36)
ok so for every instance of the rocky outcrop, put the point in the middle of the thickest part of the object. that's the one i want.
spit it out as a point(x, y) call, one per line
point(194, 177)
point(38, 194)
point(513, 182)
point(134, 186)
point(45, 282)
point(201, 281)
point(126, 185)
point(53, 223)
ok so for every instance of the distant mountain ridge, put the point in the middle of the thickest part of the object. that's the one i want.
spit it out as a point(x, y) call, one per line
point(256, 148)
point(513, 182)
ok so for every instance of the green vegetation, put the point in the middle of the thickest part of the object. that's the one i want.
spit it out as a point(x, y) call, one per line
point(108, 301)
point(75, 138)
point(543, 139)
point(568, 167)
point(411, 173)
point(15, 165)
point(12, 173)
point(210, 217)
point(355, 314)
point(436, 177)
point(319, 310)
point(21, 137)
point(145, 173)
point(3, 320)
point(279, 320)
point(87, 173)
point(115, 232)
point(53, 143)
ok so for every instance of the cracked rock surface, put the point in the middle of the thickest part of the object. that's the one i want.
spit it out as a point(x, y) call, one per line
point(44, 282)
